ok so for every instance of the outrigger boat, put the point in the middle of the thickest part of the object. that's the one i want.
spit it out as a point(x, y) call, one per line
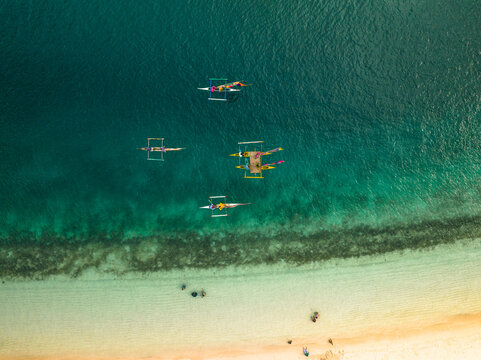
point(221, 206)
point(216, 86)
point(253, 159)
point(154, 149)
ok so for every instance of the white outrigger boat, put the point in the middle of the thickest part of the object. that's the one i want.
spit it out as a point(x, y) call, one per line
point(222, 88)
point(221, 206)
point(154, 149)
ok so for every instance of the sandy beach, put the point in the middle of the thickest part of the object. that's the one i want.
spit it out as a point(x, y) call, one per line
point(362, 121)
point(415, 304)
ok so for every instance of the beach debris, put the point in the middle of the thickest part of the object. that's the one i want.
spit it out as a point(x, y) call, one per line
point(306, 352)
point(183, 287)
point(195, 293)
point(329, 355)
point(330, 341)
point(289, 342)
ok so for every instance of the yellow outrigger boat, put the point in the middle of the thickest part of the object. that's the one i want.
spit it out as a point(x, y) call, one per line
point(253, 165)
point(221, 206)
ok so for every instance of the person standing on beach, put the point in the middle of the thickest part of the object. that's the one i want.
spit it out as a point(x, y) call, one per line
point(306, 352)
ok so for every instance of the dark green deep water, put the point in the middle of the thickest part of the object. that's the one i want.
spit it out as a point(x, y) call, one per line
point(376, 103)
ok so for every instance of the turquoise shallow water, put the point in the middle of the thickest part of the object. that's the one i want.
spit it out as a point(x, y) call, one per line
point(376, 106)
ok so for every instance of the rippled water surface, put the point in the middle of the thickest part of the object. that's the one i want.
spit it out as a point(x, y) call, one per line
point(377, 106)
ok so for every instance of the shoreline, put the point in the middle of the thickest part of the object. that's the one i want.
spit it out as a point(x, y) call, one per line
point(375, 302)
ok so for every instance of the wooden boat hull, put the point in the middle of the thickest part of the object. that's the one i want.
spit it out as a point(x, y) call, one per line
point(263, 168)
point(237, 154)
point(217, 91)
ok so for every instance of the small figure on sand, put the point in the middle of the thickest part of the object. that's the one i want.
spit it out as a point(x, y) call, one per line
point(194, 294)
point(315, 316)
point(203, 292)
point(330, 341)
point(183, 287)
point(306, 352)
point(289, 342)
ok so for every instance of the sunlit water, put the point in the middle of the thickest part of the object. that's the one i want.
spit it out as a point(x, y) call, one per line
point(376, 106)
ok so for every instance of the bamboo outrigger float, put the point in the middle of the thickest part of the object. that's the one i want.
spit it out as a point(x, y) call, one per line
point(156, 149)
point(253, 165)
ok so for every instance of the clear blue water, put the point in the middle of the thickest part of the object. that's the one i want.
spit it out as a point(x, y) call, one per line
point(377, 106)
